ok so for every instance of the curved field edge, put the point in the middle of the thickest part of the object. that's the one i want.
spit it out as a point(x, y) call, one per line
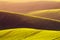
point(28, 34)
point(38, 12)
point(32, 13)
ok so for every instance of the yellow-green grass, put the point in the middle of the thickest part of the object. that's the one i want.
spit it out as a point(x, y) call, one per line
point(29, 34)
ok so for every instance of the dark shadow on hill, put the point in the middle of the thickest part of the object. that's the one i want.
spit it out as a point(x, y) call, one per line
point(8, 21)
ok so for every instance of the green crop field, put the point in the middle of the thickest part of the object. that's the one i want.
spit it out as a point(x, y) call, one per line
point(29, 34)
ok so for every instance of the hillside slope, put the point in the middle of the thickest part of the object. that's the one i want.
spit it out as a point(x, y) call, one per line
point(15, 20)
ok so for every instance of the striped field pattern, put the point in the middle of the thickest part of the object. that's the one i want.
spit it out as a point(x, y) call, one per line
point(29, 34)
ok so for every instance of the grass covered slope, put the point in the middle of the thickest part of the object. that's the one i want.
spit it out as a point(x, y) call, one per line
point(29, 34)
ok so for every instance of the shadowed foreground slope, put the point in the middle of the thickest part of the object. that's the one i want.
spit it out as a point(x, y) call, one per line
point(11, 20)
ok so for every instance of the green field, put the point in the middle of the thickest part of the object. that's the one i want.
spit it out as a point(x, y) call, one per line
point(29, 34)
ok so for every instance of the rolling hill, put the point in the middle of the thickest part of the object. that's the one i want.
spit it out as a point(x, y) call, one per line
point(17, 20)
point(41, 21)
